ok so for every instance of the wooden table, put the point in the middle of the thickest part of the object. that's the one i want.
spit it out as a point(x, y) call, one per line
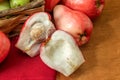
point(102, 53)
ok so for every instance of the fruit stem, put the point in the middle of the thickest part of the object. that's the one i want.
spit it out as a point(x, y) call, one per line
point(98, 3)
point(82, 35)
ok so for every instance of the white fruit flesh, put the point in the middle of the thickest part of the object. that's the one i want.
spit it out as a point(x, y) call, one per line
point(62, 53)
point(36, 29)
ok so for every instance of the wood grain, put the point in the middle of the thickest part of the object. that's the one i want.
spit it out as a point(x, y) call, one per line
point(102, 53)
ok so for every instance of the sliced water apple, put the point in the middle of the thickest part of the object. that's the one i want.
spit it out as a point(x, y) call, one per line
point(35, 30)
point(62, 53)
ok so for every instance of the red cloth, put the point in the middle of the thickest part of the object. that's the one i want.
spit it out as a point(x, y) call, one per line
point(19, 66)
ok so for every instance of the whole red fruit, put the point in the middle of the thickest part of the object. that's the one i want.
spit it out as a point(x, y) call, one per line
point(4, 46)
point(74, 22)
point(92, 8)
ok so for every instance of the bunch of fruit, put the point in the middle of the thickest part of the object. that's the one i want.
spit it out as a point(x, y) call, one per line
point(57, 33)
point(7, 4)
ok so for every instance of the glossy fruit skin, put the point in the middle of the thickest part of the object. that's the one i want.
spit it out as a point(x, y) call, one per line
point(92, 8)
point(74, 22)
point(50, 4)
point(4, 46)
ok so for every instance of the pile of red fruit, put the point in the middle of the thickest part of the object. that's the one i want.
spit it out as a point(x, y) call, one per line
point(57, 33)
point(73, 16)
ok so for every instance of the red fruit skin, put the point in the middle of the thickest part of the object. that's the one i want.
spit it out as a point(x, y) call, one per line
point(73, 22)
point(89, 7)
point(4, 46)
point(50, 4)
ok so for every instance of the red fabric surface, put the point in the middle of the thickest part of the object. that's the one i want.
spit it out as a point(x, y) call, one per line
point(19, 66)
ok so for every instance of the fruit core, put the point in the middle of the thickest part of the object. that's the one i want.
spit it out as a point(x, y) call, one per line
point(37, 30)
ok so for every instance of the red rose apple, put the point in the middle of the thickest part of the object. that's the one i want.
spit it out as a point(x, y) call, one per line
point(92, 8)
point(4, 46)
point(73, 22)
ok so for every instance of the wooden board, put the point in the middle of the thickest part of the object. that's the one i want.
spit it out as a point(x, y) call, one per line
point(102, 53)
